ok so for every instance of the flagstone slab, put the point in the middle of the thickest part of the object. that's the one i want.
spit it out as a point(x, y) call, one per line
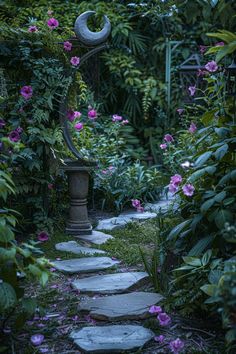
point(111, 339)
point(134, 215)
point(74, 247)
point(120, 307)
point(84, 265)
point(110, 283)
point(97, 237)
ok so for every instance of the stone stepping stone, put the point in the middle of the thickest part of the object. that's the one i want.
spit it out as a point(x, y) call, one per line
point(84, 265)
point(121, 220)
point(74, 247)
point(111, 339)
point(120, 307)
point(110, 283)
point(97, 237)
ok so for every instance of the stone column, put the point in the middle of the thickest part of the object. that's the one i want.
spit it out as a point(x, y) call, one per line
point(78, 181)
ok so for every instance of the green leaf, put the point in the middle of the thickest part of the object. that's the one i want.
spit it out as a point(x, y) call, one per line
point(209, 289)
point(214, 276)
point(221, 151)
point(200, 246)
point(7, 296)
point(207, 205)
point(193, 261)
point(222, 217)
point(6, 234)
point(206, 257)
point(7, 253)
point(203, 158)
point(29, 305)
point(177, 229)
point(220, 196)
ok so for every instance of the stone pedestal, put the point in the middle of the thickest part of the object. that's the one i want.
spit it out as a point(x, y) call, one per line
point(78, 181)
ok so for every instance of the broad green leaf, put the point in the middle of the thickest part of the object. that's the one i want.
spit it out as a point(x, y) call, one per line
point(29, 305)
point(200, 246)
point(7, 296)
point(177, 229)
point(207, 205)
point(209, 289)
point(220, 196)
point(206, 257)
point(7, 253)
point(193, 261)
point(222, 217)
point(6, 234)
point(221, 151)
point(203, 158)
point(214, 276)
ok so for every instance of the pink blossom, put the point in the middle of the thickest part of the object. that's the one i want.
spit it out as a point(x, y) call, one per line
point(43, 236)
point(192, 90)
point(188, 190)
point(136, 203)
point(104, 172)
point(79, 126)
point(75, 61)
point(164, 319)
point(220, 44)
point(111, 168)
point(176, 345)
point(155, 309)
point(92, 114)
point(37, 339)
point(140, 209)
point(32, 29)
point(50, 186)
point(2, 123)
point(168, 138)
point(116, 118)
point(202, 72)
point(77, 114)
point(176, 180)
point(14, 136)
point(159, 339)
point(125, 121)
point(52, 269)
point(211, 66)
point(163, 146)
point(180, 110)
point(202, 49)
point(26, 92)
point(71, 115)
point(52, 23)
point(19, 130)
point(172, 188)
point(67, 46)
point(192, 128)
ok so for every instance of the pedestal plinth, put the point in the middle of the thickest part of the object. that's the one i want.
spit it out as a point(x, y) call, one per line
point(78, 181)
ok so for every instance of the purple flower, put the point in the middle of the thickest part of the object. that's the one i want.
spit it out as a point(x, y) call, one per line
point(14, 136)
point(67, 46)
point(159, 339)
point(79, 126)
point(37, 339)
point(164, 319)
point(168, 138)
point(43, 236)
point(140, 209)
point(176, 180)
point(202, 49)
point(125, 121)
point(180, 111)
point(32, 29)
point(188, 190)
point(52, 23)
point(163, 146)
point(2, 123)
point(176, 345)
point(201, 72)
point(75, 61)
point(192, 90)
point(26, 92)
point(1, 145)
point(155, 309)
point(92, 114)
point(172, 188)
point(19, 130)
point(136, 203)
point(77, 114)
point(71, 115)
point(211, 66)
point(192, 128)
point(220, 44)
point(116, 118)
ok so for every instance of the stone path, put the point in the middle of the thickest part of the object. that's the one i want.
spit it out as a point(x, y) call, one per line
point(115, 301)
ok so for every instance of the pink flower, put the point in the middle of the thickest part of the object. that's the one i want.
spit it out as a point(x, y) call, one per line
point(111, 168)
point(71, 115)
point(75, 61)
point(180, 111)
point(14, 136)
point(79, 126)
point(116, 118)
point(2, 123)
point(220, 44)
point(19, 130)
point(168, 138)
point(188, 190)
point(164, 319)
point(43, 236)
point(176, 180)
point(192, 128)
point(192, 90)
point(26, 92)
point(50, 186)
point(172, 188)
point(159, 339)
point(202, 49)
point(92, 114)
point(140, 209)
point(211, 66)
point(32, 29)
point(136, 203)
point(52, 23)
point(37, 339)
point(104, 172)
point(176, 345)
point(155, 309)
point(163, 146)
point(50, 12)
point(77, 114)
point(201, 72)
point(125, 121)
point(67, 46)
